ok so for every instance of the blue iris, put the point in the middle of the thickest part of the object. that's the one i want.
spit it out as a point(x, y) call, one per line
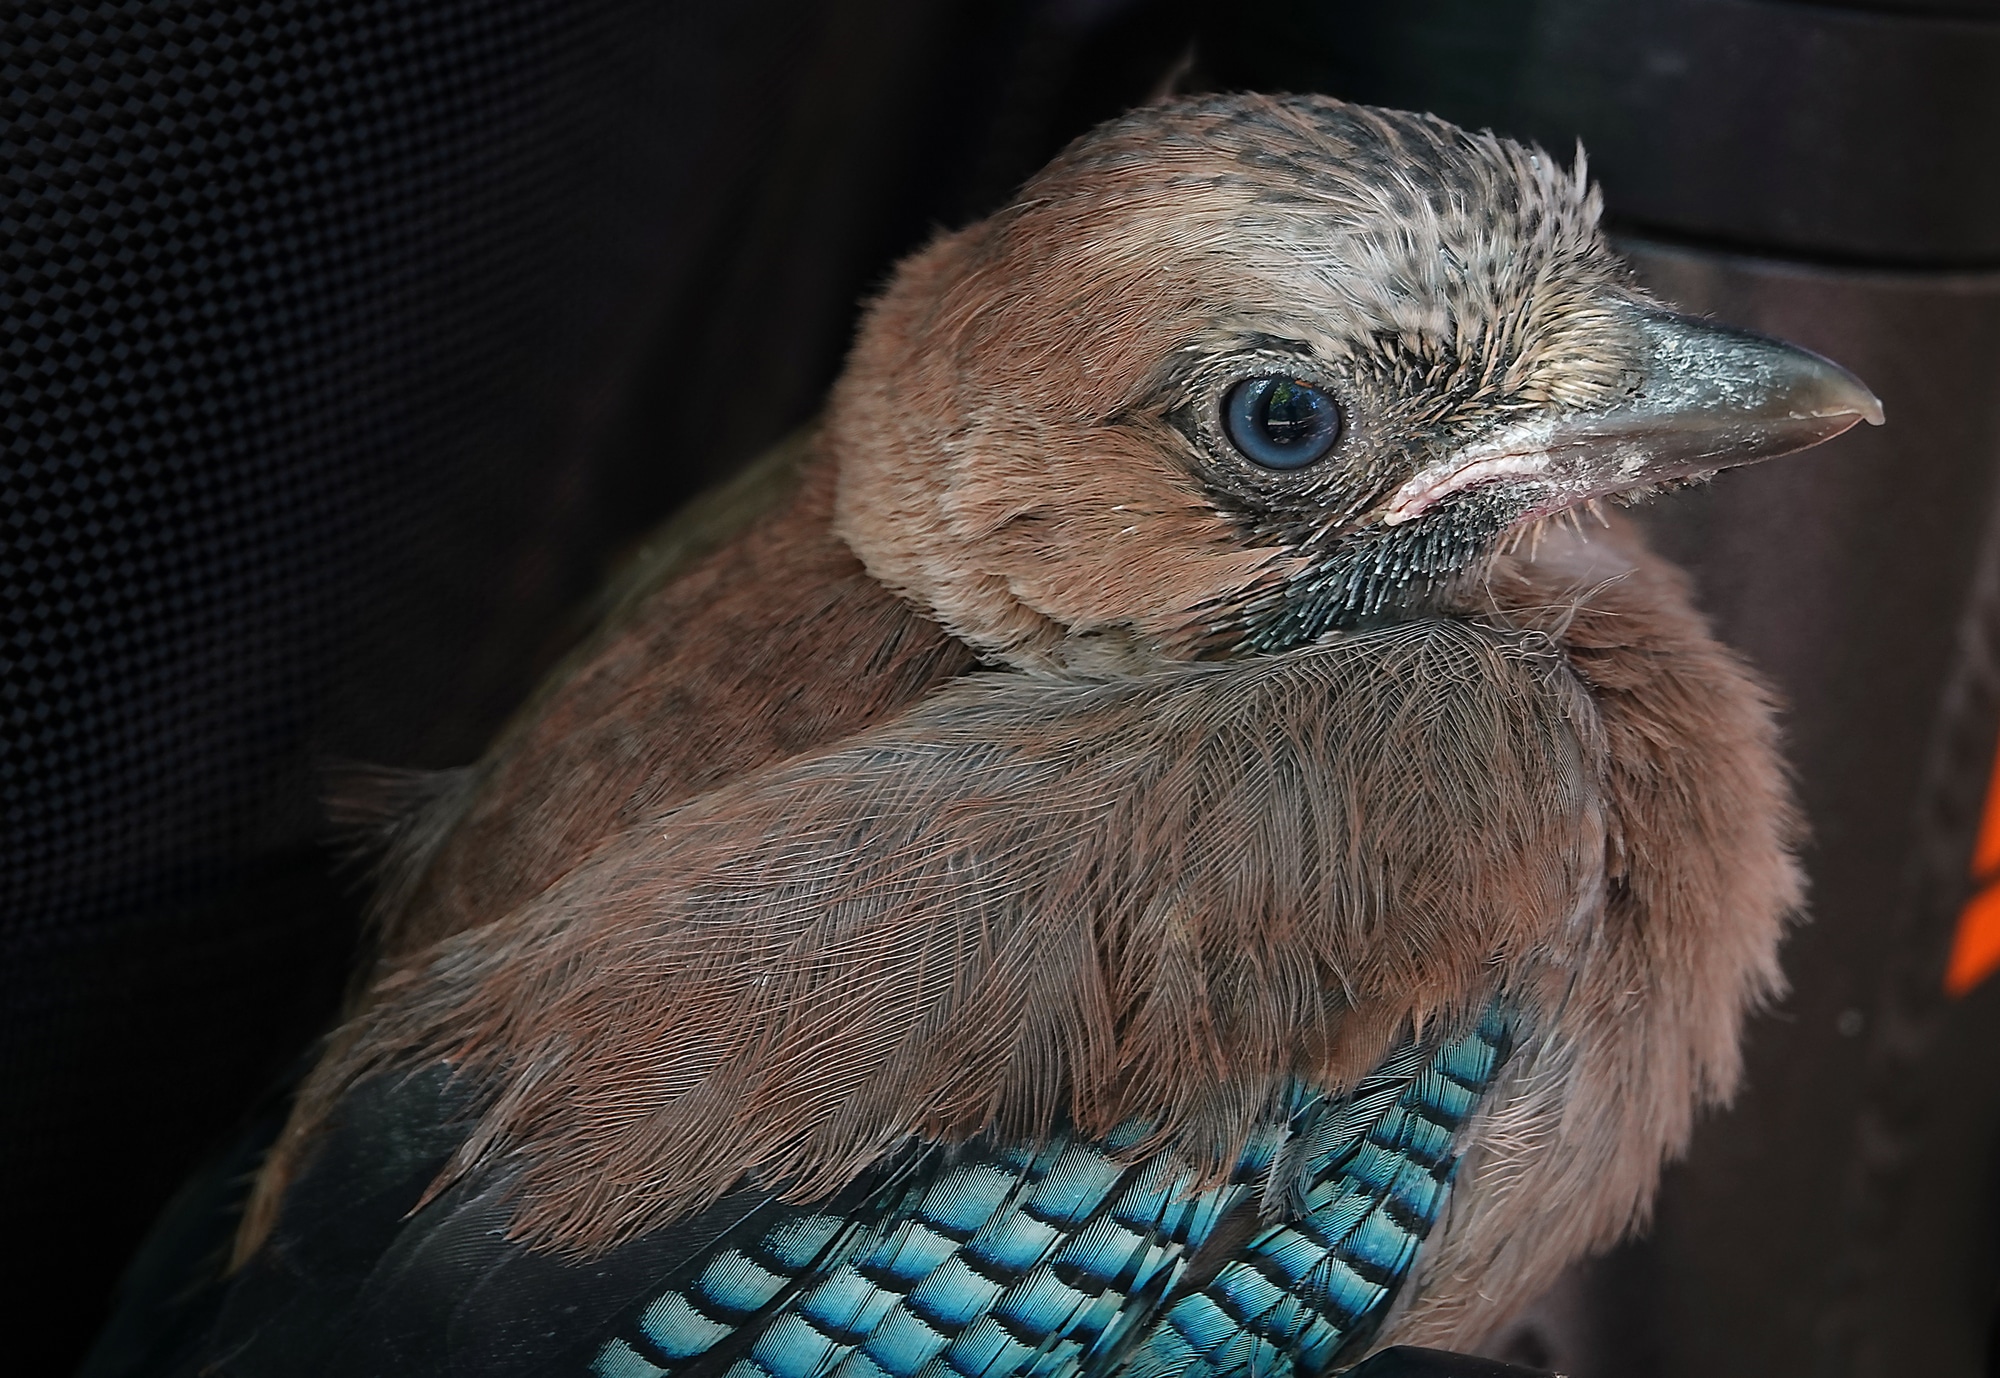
point(1280, 423)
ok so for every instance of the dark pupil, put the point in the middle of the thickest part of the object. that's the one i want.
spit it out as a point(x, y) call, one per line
point(1294, 415)
point(1280, 423)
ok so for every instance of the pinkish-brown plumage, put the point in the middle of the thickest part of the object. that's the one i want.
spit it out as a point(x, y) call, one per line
point(713, 662)
point(1033, 897)
point(1261, 772)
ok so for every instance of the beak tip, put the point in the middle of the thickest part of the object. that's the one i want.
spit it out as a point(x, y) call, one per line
point(1840, 393)
point(1865, 406)
point(1846, 395)
point(1850, 416)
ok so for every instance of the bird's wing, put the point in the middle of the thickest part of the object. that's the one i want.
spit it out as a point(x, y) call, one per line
point(987, 1260)
point(1075, 1259)
point(680, 684)
point(1026, 912)
point(393, 821)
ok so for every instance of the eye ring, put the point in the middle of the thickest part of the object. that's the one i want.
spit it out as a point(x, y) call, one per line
point(1281, 423)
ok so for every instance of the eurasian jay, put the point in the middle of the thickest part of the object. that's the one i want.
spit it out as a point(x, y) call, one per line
point(1156, 840)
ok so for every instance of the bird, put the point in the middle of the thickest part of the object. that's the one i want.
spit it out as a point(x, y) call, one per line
point(1175, 830)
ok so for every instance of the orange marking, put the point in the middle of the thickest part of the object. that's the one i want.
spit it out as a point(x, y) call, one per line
point(1975, 952)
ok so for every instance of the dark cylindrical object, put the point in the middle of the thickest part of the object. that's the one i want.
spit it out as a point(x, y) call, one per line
point(1842, 133)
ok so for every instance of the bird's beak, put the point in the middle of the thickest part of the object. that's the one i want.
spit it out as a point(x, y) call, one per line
point(1706, 397)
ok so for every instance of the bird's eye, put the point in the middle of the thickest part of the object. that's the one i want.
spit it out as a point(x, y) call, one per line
point(1280, 423)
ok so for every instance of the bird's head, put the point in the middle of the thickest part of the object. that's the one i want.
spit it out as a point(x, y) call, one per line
point(1235, 372)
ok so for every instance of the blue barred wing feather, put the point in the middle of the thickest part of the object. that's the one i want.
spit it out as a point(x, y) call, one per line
point(999, 1262)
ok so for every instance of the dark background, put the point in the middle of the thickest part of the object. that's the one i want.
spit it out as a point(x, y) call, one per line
point(348, 344)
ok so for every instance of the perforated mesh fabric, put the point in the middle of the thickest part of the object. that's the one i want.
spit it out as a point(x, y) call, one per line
point(244, 351)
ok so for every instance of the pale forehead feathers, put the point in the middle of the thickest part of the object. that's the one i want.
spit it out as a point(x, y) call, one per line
point(1356, 230)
